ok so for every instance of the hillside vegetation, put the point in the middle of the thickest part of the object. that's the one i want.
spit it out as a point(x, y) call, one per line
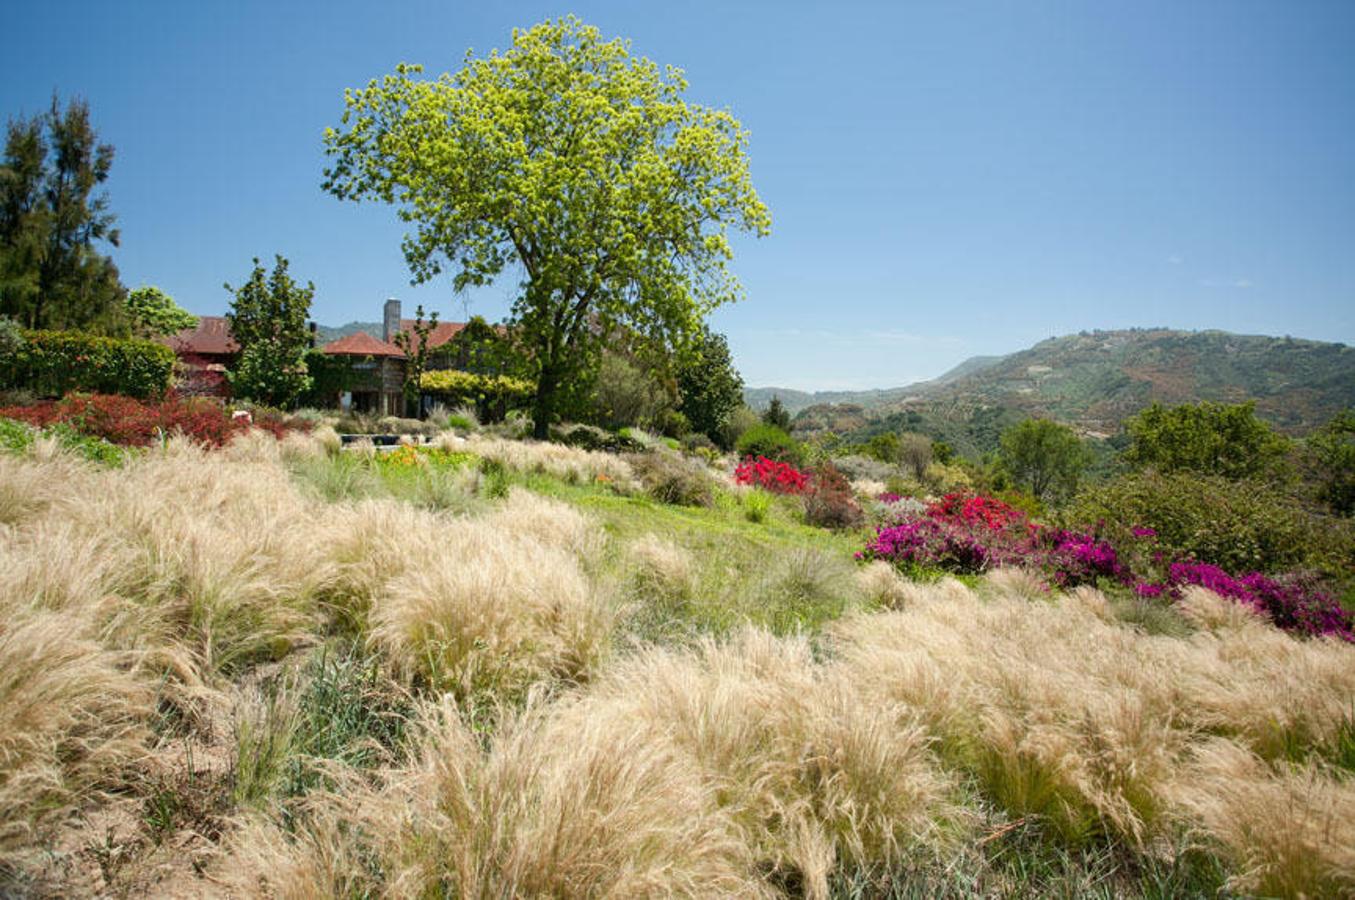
point(1094, 381)
point(492, 667)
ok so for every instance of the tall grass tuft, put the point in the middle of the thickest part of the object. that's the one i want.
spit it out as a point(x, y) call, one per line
point(493, 611)
point(1288, 832)
point(816, 773)
point(72, 718)
point(1058, 713)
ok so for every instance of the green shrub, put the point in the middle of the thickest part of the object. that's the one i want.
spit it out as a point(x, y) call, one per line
point(590, 437)
point(740, 420)
point(671, 478)
point(1241, 526)
point(884, 447)
point(672, 424)
point(756, 505)
point(53, 363)
point(491, 395)
point(771, 442)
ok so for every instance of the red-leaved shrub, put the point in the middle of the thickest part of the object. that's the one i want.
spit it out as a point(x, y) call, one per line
point(829, 499)
point(136, 423)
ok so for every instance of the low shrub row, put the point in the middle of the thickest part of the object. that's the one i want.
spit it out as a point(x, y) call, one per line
point(126, 421)
point(53, 363)
point(18, 437)
point(491, 395)
point(1240, 525)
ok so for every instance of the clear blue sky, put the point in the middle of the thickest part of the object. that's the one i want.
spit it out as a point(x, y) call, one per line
point(945, 179)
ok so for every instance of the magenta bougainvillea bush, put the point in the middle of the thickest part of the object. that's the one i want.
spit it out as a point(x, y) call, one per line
point(969, 534)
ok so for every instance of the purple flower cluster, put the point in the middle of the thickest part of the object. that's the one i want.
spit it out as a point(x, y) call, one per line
point(1292, 602)
point(968, 536)
point(1074, 558)
point(932, 543)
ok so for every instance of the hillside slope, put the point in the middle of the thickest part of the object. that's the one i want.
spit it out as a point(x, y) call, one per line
point(324, 334)
point(1095, 380)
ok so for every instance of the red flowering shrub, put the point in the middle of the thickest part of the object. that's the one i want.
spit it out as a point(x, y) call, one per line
point(778, 477)
point(130, 422)
point(976, 509)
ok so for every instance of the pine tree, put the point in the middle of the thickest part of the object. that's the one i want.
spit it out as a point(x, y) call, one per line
point(51, 220)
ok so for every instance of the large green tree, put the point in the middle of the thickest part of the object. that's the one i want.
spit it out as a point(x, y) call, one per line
point(52, 219)
point(1210, 438)
point(268, 320)
point(1043, 457)
point(575, 164)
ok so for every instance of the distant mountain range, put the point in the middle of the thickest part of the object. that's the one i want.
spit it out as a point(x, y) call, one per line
point(324, 334)
point(1094, 381)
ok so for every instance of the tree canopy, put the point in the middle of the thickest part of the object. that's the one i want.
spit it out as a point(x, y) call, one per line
point(154, 313)
point(576, 164)
point(1333, 449)
point(1043, 457)
point(52, 219)
point(268, 320)
point(1210, 438)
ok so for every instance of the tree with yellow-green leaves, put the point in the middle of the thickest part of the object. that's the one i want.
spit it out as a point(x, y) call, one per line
point(573, 163)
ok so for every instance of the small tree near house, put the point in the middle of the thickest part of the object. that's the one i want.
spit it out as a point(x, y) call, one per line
point(268, 320)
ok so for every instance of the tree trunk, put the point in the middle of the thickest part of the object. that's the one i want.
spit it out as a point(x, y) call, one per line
point(543, 406)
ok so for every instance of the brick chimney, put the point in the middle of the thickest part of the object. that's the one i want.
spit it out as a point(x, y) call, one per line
point(390, 324)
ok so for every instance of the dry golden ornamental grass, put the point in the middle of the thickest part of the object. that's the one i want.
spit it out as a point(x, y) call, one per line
point(748, 765)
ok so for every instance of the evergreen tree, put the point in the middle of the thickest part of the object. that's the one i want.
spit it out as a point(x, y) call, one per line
point(710, 386)
point(268, 320)
point(51, 220)
point(775, 415)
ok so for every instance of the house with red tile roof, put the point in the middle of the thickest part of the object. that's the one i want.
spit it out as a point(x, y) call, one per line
point(377, 365)
point(378, 374)
point(205, 352)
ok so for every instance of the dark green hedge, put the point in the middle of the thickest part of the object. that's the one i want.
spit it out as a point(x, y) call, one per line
point(53, 363)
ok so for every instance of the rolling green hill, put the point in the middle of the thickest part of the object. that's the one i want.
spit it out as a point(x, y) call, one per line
point(1095, 380)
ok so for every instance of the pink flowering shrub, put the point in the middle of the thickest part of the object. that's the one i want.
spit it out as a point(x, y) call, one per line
point(957, 533)
point(1294, 602)
point(973, 534)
